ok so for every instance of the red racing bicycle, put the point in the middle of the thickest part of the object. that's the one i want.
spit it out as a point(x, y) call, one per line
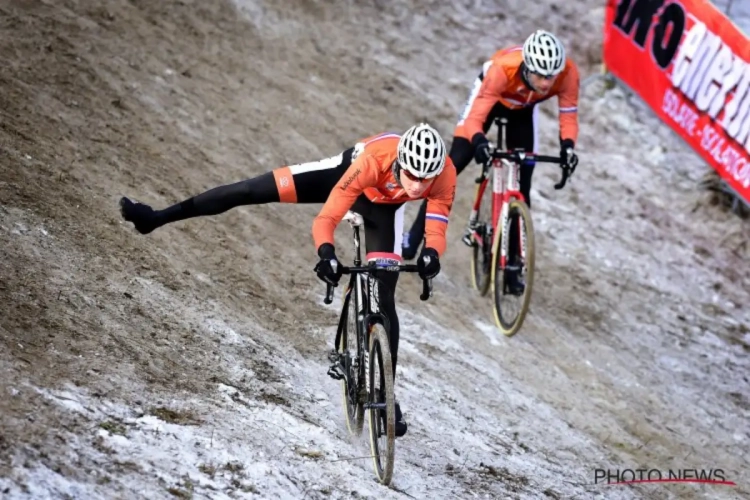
point(510, 276)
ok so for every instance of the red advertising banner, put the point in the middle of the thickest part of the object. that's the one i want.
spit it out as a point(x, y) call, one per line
point(690, 64)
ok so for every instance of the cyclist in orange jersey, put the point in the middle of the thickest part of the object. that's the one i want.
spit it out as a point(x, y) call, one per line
point(375, 178)
point(510, 86)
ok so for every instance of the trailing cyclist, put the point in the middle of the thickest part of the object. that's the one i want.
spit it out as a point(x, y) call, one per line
point(510, 85)
point(375, 178)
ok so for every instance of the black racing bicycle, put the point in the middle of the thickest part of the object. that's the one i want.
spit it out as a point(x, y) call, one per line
point(361, 357)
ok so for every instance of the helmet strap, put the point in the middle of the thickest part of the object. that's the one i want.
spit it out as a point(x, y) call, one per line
point(525, 78)
point(396, 169)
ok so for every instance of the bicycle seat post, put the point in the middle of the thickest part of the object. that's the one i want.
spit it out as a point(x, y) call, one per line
point(501, 124)
point(355, 220)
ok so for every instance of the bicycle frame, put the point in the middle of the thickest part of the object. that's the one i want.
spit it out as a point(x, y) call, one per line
point(504, 189)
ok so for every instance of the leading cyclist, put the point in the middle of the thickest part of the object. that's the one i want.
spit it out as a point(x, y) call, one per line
point(375, 178)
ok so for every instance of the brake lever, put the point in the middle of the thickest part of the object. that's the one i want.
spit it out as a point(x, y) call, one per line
point(426, 289)
point(329, 294)
point(485, 171)
point(565, 175)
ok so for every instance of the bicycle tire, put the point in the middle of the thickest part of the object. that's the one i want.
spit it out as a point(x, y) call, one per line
point(353, 405)
point(480, 278)
point(510, 328)
point(380, 359)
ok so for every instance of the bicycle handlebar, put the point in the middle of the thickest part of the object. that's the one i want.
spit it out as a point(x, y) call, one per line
point(520, 156)
point(399, 268)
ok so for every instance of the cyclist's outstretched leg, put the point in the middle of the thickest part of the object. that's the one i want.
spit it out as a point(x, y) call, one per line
point(302, 183)
point(383, 240)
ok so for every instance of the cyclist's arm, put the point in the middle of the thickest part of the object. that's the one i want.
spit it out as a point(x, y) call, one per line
point(567, 101)
point(494, 83)
point(439, 204)
point(361, 173)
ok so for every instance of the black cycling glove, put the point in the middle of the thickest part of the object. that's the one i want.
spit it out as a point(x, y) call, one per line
point(428, 263)
point(328, 267)
point(481, 145)
point(567, 153)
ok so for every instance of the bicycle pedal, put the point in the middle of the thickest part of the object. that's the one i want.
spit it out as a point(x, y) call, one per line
point(374, 406)
point(335, 372)
point(467, 240)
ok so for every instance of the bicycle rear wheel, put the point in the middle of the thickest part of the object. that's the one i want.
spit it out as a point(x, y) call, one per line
point(349, 358)
point(381, 405)
point(508, 321)
point(481, 250)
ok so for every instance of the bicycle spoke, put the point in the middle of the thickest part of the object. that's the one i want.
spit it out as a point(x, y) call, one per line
point(381, 407)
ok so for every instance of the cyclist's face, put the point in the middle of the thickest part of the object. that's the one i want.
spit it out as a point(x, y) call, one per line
point(414, 186)
point(542, 84)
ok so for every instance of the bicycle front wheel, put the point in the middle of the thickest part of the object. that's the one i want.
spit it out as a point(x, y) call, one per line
point(381, 405)
point(510, 306)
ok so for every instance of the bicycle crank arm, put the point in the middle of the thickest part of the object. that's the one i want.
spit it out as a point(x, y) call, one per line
point(478, 240)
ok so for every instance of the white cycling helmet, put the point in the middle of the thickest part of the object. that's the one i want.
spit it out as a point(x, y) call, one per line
point(543, 53)
point(421, 151)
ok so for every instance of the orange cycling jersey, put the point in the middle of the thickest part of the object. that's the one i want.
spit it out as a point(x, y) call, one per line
point(502, 83)
point(371, 173)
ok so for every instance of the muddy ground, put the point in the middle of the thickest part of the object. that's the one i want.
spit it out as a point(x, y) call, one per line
point(192, 361)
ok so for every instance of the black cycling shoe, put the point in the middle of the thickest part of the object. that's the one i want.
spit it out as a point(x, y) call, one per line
point(513, 282)
point(401, 426)
point(142, 216)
